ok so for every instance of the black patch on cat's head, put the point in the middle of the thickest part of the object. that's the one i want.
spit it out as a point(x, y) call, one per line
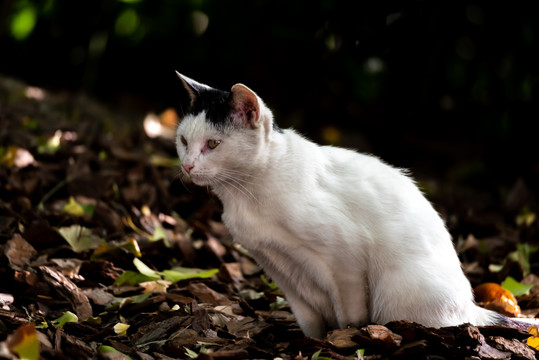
point(216, 103)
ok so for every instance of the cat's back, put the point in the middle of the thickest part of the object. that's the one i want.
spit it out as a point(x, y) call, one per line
point(331, 168)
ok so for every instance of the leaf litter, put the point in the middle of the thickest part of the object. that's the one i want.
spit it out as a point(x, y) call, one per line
point(105, 254)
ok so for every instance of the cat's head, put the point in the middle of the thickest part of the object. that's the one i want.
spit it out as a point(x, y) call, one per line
point(222, 133)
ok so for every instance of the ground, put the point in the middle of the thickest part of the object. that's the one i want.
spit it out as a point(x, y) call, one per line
point(105, 253)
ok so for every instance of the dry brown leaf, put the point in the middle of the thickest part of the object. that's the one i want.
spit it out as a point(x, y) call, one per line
point(208, 295)
point(19, 251)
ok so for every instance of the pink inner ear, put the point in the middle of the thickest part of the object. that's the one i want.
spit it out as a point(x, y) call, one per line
point(245, 104)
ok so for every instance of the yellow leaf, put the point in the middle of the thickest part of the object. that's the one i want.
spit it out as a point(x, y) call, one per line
point(74, 208)
point(121, 328)
point(24, 343)
point(533, 340)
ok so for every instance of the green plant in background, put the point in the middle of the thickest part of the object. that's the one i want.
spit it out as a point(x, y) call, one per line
point(23, 20)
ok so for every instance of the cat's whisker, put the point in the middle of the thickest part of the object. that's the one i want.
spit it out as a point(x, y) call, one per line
point(239, 187)
point(180, 176)
point(234, 178)
point(242, 173)
point(235, 183)
point(239, 180)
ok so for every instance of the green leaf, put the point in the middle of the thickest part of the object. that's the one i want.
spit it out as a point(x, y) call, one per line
point(68, 316)
point(145, 270)
point(280, 302)
point(360, 352)
point(132, 278)
point(177, 274)
point(271, 284)
point(80, 238)
point(160, 234)
point(192, 354)
point(88, 209)
point(23, 22)
point(515, 287)
point(76, 209)
point(104, 349)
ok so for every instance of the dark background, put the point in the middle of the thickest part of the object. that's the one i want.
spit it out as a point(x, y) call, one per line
point(448, 89)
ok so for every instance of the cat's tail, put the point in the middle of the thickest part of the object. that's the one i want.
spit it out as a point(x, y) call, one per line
point(489, 317)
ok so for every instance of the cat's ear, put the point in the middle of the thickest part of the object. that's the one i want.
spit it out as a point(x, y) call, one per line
point(193, 87)
point(245, 106)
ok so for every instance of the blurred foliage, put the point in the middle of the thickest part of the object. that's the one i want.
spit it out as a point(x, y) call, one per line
point(449, 82)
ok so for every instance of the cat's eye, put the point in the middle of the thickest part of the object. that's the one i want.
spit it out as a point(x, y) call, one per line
point(212, 143)
point(184, 142)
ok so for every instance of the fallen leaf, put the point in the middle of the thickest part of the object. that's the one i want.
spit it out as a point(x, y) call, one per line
point(24, 342)
point(157, 286)
point(110, 249)
point(121, 328)
point(73, 208)
point(80, 238)
point(19, 251)
point(105, 349)
point(516, 288)
point(132, 278)
point(179, 273)
point(68, 316)
point(99, 296)
point(145, 270)
point(208, 295)
point(533, 340)
point(342, 338)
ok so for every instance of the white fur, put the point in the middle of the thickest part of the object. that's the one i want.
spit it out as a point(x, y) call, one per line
point(349, 239)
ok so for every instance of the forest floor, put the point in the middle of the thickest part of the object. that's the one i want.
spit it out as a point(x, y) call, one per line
point(105, 254)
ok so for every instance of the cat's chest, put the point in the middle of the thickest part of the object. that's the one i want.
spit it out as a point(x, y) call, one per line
point(249, 223)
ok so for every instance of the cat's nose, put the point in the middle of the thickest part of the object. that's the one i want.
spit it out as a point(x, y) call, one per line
point(188, 167)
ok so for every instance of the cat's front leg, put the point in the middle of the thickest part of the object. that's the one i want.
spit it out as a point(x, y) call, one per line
point(310, 321)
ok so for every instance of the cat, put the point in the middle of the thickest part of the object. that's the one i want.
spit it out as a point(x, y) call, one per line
point(349, 239)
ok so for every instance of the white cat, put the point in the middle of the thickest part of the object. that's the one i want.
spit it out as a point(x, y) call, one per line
point(349, 239)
